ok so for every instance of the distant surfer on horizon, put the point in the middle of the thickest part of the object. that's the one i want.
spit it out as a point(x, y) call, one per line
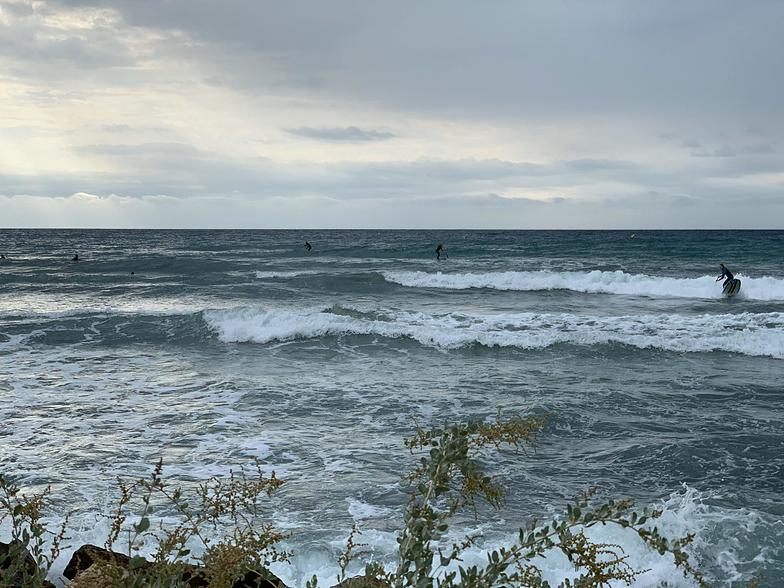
point(725, 273)
point(440, 251)
point(308, 246)
point(75, 257)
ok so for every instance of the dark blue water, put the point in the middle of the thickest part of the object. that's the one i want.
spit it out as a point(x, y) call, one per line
point(212, 348)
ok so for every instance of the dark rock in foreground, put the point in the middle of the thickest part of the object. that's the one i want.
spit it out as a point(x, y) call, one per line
point(10, 553)
point(87, 555)
point(361, 582)
point(85, 571)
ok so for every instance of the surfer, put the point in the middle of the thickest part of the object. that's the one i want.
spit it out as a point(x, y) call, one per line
point(75, 257)
point(725, 273)
point(308, 246)
point(439, 251)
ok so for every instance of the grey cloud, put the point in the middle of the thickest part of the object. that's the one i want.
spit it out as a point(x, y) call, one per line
point(486, 211)
point(181, 170)
point(695, 69)
point(45, 55)
point(510, 59)
point(341, 134)
point(17, 9)
point(594, 165)
point(762, 149)
point(725, 151)
point(35, 48)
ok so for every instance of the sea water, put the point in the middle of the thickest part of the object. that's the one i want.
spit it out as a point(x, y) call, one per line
point(214, 348)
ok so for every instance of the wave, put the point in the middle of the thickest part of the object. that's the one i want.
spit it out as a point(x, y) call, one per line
point(753, 334)
point(289, 274)
point(597, 282)
point(149, 308)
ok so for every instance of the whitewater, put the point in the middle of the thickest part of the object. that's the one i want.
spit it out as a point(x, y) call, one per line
point(212, 349)
point(749, 334)
point(596, 282)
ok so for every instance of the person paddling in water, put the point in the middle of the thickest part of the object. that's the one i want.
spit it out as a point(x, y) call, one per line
point(75, 257)
point(440, 251)
point(725, 273)
point(308, 246)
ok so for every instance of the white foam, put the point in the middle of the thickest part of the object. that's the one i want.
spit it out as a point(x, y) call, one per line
point(360, 510)
point(49, 306)
point(720, 537)
point(760, 334)
point(598, 282)
point(728, 543)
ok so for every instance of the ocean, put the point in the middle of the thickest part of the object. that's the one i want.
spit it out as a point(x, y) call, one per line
point(213, 348)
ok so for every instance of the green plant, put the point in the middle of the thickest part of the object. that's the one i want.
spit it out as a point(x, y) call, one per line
point(232, 542)
point(26, 560)
point(224, 524)
point(449, 478)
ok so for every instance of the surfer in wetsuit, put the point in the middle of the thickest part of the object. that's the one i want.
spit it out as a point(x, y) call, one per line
point(308, 246)
point(75, 257)
point(725, 273)
point(439, 251)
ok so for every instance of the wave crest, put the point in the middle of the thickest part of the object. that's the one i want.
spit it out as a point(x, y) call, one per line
point(595, 282)
point(760, 334)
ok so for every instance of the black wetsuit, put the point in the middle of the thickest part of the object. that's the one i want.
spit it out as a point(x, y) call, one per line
point(308, 246)
point(725, 273)
point(439, 250)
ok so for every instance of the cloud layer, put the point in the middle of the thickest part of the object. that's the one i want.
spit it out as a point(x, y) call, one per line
point(449, 113)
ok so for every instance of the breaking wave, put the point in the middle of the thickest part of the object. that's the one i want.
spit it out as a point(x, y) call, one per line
point(760, 334)
point(598, 282)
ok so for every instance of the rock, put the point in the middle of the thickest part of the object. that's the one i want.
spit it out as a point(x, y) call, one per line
point(362, 582)
point(87, 555)
point(95, 576)
point(85, 571)
point(27, 568)
point(252, 579)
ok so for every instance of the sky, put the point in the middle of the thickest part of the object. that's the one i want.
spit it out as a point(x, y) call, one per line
point(405, 114)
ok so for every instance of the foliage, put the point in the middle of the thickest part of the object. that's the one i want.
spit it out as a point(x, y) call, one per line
point(26, 560)
point(449, 478)
point(223, 525)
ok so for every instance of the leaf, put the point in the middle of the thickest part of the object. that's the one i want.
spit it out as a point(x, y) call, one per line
point(143, 525)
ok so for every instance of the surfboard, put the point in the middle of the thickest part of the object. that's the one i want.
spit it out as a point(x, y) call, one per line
point(731, 288)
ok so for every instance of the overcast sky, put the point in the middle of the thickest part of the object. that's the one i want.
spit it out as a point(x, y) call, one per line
point(398, 114)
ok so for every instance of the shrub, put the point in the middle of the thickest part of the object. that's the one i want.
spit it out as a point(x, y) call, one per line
point(25, 560)
point(234, 544)
point(449, 478)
